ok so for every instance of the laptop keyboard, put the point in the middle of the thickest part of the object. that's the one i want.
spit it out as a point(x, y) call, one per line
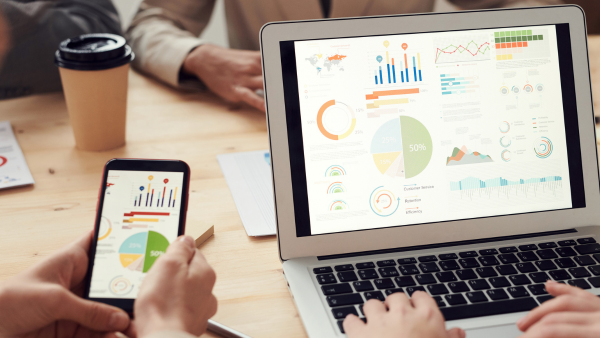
point(465, 284)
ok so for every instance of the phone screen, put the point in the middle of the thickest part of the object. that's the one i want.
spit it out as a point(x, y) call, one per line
point(140, 216)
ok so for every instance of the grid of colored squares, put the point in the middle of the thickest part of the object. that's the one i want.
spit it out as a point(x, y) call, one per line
point(510, 42)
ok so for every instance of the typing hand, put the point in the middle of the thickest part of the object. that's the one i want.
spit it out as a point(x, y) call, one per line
point(232, 74)
point(574, 313)
point(400, 317)
point(44, 301)
point(176, 293)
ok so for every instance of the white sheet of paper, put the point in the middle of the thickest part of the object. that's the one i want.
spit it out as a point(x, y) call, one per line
point(14, 171)
point(248, 176)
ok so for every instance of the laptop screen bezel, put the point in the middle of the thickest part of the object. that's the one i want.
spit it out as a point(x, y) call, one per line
point(291, 245)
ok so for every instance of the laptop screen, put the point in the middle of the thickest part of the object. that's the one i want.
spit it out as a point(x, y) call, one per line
point(399, 130)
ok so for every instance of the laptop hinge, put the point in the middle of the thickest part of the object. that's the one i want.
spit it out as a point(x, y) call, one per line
point(447, 244)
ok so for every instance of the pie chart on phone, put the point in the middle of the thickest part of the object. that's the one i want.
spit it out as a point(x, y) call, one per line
point(138, 252)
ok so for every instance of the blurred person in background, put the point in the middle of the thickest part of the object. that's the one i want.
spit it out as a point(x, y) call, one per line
point(164, 37)
point(35, 29)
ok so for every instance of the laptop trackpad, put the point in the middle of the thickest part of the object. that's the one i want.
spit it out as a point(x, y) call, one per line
point(502, 331)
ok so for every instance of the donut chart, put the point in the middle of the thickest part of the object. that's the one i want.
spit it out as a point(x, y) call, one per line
point(336, 120)
point(543, 147)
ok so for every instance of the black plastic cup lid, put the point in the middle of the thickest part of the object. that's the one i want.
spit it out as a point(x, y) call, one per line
point(93, 52)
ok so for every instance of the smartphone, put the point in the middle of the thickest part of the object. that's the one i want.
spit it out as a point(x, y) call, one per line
point(141, 208)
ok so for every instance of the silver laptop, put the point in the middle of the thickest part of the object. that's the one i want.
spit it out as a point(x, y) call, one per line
point(453, 153)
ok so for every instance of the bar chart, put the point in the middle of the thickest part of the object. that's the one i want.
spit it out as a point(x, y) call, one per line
point(155, 196)
point(395, 67)
point(457, 83)
point(380, 98)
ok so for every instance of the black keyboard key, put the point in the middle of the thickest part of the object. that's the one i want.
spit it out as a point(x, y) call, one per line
point(587, 249)
point(445, 257)
point(569, 252)
point(579, 272)
point(466, 274)
point(539, 277)
point(526, 267)
point(537, 289)
point(374, 295)
point(488, 261)
point(508, 249)
point(365, 265)
point(547, 254)
point(596, 257)
point(517, 292)
point(587, 240)
point(342, 312)
point(456, 299)
point(476, 297)
point(488, 308)
point(387, 262)
point(390, 271)
point(499, 282)
point(327, 278)
point(559, 275)
point(363, 286)
point(528, 247)
point(458, 287)
point(467, 254)
point(324, 269)
point(430, 258)
point(409, 260)
point(409, 269)
point(580, 283)
point(368, 274)
point(440, 302)
point(595, 270)
point(488, 252)
point(344, 267)
point(595, 281)
point(347, 276)
point(585, 260)
point(437, 289)
point(412, 289)
point(542, 299)
point(565, 263)
point(425, 279)
point(519, 279)
point(405, 281)
point(468, 263)
point(446, 276)
point(497, 294)
point(390, 291)
point(385, 283)
point(449, 265)
point(509, 258)
point(547, 245)
point(568, 242)
point(545, 265)
point(486, 272)
point(528, 256)
point(429, 267)
point(506, 270)
point(479, 284)
point(342, 300)
point(334, 289)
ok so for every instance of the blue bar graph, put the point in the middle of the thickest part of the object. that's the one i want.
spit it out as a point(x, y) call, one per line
point(394, 72)
point(389, 76)
point(475, 183)
point(420, 75)
point(380, 76)
point(376, 82)
point(415, 68)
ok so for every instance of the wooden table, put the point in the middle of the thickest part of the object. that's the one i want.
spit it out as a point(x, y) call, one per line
point(162, 123)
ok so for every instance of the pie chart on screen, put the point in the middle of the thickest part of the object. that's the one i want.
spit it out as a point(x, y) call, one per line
point(3, 160)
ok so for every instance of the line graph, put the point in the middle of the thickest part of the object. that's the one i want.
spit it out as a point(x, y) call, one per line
point(462, 49)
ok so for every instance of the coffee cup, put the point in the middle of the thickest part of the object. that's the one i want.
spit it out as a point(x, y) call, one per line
point(94, 70)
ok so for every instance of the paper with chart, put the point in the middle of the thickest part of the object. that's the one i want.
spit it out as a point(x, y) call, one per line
point(14, 171)
point(248, 176)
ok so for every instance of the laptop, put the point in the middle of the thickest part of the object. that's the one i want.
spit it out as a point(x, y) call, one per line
point(452, 153)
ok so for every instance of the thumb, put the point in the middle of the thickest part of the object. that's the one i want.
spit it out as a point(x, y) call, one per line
point(456, 332)
point(93, 315)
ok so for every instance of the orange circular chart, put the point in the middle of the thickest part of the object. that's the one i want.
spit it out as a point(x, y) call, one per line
point(336, 120)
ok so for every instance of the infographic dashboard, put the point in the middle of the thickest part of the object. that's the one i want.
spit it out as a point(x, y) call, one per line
point(140, 217)
point(418, 128)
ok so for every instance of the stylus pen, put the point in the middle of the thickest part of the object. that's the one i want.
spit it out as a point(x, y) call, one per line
point(224, 331)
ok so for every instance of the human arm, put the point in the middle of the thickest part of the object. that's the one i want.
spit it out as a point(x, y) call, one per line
point(401, 317)
point(573, 313)
point(45, 300)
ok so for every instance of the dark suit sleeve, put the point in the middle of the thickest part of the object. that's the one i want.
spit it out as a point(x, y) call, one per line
point(36, 29)
point(481, 4)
